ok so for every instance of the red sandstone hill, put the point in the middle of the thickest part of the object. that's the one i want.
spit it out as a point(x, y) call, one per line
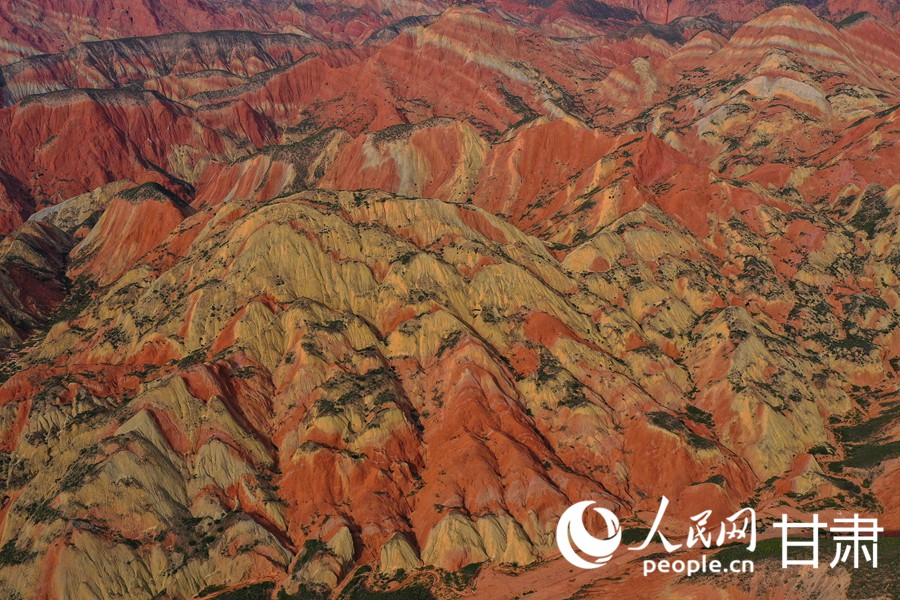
point(65, 23)
point(358, 297)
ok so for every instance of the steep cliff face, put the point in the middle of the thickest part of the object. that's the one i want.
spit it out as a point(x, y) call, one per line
point(232, 56)
point(48, 27)
point(392, 288)
point(36, 27)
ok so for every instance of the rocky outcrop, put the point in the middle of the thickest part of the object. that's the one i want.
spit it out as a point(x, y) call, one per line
point(135, 222)
point(32, 279)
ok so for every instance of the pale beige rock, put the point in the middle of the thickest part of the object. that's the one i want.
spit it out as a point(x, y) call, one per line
point(71, 214)
point(397, 553)
point(454, 542)
point(342, 545)
point(504, 540)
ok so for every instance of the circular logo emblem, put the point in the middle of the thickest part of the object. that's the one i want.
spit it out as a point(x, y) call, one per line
point(570, 531)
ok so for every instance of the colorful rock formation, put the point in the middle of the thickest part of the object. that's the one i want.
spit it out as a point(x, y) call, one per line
point(362, 296)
